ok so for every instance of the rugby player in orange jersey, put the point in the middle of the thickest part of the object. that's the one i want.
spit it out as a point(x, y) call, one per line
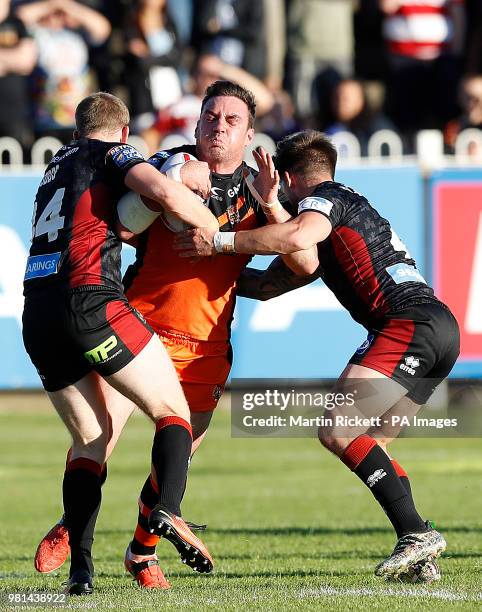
point(190, 304)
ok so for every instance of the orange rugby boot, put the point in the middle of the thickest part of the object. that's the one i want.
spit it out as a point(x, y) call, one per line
point(193, 552)
point(53, 550)
point(147, 572)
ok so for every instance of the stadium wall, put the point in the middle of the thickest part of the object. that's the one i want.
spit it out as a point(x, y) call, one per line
point(305, 334)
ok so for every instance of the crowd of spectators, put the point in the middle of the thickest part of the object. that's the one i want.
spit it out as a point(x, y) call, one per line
point(336, 65)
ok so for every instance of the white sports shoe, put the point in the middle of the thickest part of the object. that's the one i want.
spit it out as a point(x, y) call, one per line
point(409, 551)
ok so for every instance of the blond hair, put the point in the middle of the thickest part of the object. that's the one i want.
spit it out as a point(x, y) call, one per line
point(101, 112)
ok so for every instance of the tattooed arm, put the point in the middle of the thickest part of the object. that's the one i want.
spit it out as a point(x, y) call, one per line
point(272, 282)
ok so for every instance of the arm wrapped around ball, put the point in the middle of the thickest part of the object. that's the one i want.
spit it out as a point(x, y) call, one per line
point(153, 194)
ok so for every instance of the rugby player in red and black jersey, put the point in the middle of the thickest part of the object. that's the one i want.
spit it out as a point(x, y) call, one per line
point(413, 338)
point(90, 347)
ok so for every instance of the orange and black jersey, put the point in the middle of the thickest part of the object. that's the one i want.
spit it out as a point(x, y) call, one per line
point(363, 261)
point(73, 238)
point(197, 299)
point(230, 200)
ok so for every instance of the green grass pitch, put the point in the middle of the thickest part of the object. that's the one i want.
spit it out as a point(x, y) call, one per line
point(289, 527)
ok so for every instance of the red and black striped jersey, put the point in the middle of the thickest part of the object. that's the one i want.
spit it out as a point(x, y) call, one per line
point(73, 238)
point(363, 261)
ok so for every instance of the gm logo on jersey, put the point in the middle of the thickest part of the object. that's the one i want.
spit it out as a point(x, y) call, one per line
point(320, 204)
point(124, 153)
point(42, 265)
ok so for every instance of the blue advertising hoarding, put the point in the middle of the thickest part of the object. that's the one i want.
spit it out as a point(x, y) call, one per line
point(303, 334)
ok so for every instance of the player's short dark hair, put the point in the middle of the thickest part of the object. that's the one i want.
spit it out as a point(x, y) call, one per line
point(306, 153)
point(228, 88)
point(101, 112)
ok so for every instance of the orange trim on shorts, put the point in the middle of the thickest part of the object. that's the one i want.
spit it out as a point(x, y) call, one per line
point(204, 348)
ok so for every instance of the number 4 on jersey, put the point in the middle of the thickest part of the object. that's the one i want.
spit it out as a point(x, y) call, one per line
point(50, 221)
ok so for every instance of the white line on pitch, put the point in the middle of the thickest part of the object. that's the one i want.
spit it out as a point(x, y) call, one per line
point(443, 594)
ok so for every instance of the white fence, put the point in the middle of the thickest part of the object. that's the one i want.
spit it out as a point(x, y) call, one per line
point(384, 146)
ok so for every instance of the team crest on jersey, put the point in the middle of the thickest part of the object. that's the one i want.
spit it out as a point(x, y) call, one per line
point(233, 214)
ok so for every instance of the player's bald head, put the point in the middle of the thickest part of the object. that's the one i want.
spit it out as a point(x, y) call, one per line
point(308, 153)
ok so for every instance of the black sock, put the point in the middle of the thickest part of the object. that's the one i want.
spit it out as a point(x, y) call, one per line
point(406, 484)
point(103, 478)
point(402, 474)
point(377, 472)
point(149, 498)
point(171, 450)
point(82, 496)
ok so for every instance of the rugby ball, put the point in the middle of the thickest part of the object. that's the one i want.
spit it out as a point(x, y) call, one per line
point(171, 168)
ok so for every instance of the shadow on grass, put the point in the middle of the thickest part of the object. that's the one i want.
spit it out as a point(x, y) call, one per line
point(304, 531)
point(277, 574)
point(165, 557)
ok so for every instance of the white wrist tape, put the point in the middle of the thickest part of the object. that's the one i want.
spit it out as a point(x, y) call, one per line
point(224, 242)
point(268, 207)
point(134, 214)
point(174, 172)
point(272, 206)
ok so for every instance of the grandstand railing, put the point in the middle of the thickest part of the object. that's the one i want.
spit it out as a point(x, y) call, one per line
point(384, 146)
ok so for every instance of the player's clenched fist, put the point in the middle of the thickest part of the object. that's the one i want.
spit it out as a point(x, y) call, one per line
point(198, 242)
point(197, 176)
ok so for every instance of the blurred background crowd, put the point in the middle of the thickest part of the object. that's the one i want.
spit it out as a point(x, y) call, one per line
point(336, 65)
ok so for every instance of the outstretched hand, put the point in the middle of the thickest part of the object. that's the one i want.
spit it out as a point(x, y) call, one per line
point(267, 181)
